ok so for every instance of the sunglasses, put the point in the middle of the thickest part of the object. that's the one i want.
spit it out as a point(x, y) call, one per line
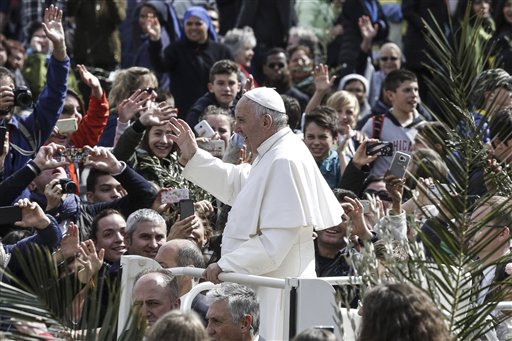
point(382, 194)
point(273, 65)
point(385, 59)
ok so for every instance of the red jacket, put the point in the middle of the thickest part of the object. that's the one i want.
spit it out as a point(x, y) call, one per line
point(93, 123)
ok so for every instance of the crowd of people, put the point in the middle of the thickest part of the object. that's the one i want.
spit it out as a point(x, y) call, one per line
point(281, 120)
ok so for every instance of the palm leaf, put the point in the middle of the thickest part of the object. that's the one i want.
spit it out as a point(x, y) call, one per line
point(43, 295)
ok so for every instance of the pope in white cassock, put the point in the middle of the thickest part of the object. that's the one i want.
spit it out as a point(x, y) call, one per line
point(277, 201)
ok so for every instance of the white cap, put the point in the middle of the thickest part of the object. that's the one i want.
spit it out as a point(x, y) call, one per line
point(267, 97)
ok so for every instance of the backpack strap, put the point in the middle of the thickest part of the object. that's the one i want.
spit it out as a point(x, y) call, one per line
point(30, 138)
point(378, 121)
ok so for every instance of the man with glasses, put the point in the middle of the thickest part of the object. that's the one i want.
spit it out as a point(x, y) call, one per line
point(277, 75)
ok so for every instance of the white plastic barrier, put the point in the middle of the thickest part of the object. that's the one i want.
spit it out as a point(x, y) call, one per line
point(308, 302)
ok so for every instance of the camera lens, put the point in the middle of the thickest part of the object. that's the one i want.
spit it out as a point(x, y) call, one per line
point(68, 186)
point(22, 97)
point(402, 158)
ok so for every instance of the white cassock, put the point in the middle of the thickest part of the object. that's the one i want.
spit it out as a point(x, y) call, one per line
point(276, 204)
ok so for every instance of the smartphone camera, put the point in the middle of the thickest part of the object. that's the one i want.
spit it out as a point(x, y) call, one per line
point(68, 186)
point(22, 97)
point(402, 158)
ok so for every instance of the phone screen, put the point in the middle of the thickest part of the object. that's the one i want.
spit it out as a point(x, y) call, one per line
point(186, 208)
point(10, 214)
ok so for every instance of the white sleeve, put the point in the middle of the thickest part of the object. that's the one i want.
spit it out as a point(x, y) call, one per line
point(262, 253)
point(222, 180)
point(120, 128)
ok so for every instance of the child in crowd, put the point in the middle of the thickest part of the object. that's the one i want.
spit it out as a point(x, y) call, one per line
point(320, 134)
point(223, 87)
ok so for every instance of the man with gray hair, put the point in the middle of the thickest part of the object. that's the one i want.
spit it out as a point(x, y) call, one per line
point(155, 292)
point(277, 201)
point(145, 232)
point(234, 313)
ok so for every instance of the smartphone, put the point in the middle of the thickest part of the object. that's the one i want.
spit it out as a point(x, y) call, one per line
point(214, 147)
point(203, 129)
point(3, 132)
point(67, 125)
point(399, 164)
point(380, 149)
point(366, 205)
point(10, 214)
point(174, 195)
point(186, 208)
point(75, 154)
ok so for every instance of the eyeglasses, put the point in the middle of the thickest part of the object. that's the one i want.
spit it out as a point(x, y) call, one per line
point(385, 59)
point(382, 194)
point(273, 65)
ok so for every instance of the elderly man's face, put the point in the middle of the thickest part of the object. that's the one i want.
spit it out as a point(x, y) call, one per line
point(153, 298)
point(249, 125)
point(221, 326)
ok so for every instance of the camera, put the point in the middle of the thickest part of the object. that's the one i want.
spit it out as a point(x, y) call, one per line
point(380, 149)
point(22, 97)
point(68, 186)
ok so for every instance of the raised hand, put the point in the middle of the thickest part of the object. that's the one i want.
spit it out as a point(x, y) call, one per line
point(368, 31)
point(44, 158)
point(153, 28)
point(321, 78)
point(53, 194)
point(158, 115)
point(101, 158)
point(395, 188)
point(90, 80)
point(70, 244)
point(89, 260)
point(182, 229)
point(360, 158)
point(32, 215)
point(354, 209)
point(132, 105)
point(184, 138)
point(52, 26)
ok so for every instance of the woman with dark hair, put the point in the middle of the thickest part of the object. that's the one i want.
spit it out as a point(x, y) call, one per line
point(401, 312)
point(147, 147)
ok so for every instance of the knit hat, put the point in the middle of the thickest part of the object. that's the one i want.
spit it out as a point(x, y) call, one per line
point(267, 97)
point(488, 80)
point(351, 77)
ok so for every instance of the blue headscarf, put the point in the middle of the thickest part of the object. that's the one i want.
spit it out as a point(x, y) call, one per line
point(201, 13)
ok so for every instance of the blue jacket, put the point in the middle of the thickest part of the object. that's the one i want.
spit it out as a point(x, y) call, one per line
point(41, 121)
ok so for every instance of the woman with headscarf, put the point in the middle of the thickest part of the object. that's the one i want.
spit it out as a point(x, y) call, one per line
point(188, 62)
point(170, 33)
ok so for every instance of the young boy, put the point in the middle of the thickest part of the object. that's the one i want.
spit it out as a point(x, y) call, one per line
point(398, 124)
point(320, 134)
point(223, 87)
